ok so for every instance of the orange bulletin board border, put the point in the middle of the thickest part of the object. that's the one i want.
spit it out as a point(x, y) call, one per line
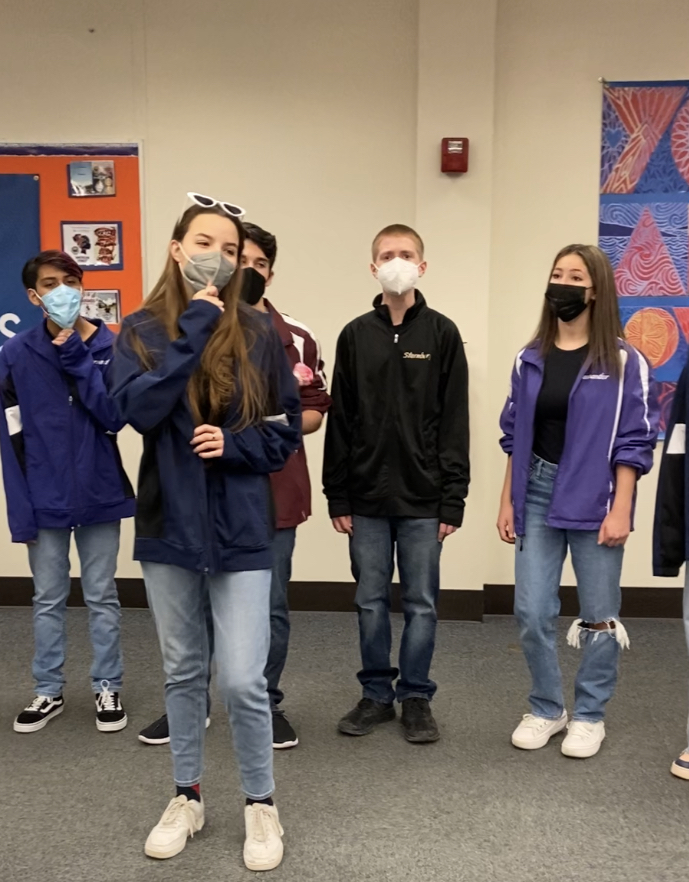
point(50, 163)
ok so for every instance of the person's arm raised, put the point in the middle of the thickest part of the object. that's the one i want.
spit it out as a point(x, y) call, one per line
point(146, 397)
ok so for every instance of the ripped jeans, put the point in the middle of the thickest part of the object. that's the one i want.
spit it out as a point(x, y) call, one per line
point(540, 555)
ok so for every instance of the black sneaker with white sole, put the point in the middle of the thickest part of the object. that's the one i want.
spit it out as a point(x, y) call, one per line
point(284, 735)
point(110, 715)
point(39, 713)
point(156, 733)
point(159, 732)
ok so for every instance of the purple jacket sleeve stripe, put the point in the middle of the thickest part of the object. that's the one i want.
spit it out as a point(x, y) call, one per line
point(620, 395)
point(508, 412)
point(645, 377)
point(636, 428)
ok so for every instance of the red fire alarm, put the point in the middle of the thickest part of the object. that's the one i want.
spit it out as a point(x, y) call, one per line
point(455, 156)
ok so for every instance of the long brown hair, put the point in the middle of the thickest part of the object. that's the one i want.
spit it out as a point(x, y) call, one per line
point(605, 326)
point(225, 370)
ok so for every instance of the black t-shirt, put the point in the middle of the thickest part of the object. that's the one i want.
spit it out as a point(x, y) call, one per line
point(560, 372)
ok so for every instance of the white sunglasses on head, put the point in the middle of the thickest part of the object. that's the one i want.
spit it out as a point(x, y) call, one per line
point(208, 202)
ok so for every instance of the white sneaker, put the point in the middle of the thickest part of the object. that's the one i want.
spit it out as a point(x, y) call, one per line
point(535, 732)
point(583, 739)
point(680, 767)
point(181, 819)
point(263, 847)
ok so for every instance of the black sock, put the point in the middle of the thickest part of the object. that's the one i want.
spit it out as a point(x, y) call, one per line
point(193, 792)
point(267, 801)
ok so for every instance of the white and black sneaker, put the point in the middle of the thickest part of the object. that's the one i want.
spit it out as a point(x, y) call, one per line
point(284, 735)
point(39, 713)
point(159, 732)
point(110, 715)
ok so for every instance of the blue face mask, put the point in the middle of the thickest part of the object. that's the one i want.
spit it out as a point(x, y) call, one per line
point(62, 305)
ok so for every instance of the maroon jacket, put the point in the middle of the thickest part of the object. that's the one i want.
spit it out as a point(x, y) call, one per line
point(292, 487)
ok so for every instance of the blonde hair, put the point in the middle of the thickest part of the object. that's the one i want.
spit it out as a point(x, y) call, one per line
point(397, 230)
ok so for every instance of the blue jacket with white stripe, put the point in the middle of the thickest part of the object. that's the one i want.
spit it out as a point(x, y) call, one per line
point(204, 515)
point(611, 421)
point(60, 462)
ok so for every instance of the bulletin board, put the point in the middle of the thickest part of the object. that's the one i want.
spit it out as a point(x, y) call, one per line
point(100, 229)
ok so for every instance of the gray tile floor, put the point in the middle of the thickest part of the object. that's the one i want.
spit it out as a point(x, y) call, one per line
point(77, 805)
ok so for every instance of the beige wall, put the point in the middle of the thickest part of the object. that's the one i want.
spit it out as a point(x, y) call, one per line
point(324, 119)
point(456, 98)
point(549, 56)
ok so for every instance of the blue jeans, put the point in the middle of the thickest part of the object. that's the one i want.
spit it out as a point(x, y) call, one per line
point(240, 605)
point(540, 556)
point(98, 546)
point(283, 548)
point(418, 557)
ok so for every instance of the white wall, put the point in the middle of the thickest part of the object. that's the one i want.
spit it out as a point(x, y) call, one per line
point(299, 111)
point(324, 120)
point(456, 99)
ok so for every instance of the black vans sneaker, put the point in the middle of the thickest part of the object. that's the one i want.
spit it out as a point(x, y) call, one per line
point(365, 717)
point(39, 713)
point(284, 735)
point(110, 715)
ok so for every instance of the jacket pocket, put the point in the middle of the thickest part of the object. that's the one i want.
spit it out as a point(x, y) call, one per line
point(368, 461)
point(241, 512)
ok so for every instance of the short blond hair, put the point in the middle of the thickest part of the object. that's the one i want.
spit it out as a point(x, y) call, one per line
point(397, 230)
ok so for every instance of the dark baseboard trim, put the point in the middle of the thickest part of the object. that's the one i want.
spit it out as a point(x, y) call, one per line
point(454, 604)
point(637, 603)
point(18, 591)
point(303, 597)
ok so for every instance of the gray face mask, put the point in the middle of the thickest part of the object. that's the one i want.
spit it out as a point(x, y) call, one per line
point(208, 268)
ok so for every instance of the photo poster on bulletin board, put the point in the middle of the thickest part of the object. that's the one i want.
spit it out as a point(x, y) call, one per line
point(84, 199)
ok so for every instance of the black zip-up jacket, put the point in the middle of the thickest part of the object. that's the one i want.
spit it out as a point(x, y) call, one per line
point(670, 533)
point(397, 441)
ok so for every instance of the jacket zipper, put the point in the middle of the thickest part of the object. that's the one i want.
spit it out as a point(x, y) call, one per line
point(391, 457)
point(71, 458)
point(208, 527)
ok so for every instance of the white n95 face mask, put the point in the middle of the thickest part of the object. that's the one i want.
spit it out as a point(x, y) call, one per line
point(398, 276)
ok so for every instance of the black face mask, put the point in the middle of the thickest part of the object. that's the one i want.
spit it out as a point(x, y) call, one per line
point(253, 286)
point(567, 302)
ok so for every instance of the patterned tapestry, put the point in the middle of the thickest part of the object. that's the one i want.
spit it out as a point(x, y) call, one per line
point(644, 213)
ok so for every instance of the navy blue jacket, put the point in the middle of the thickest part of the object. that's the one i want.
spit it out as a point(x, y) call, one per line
point(214, 515)
point(60, 462)
point(671, 527)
